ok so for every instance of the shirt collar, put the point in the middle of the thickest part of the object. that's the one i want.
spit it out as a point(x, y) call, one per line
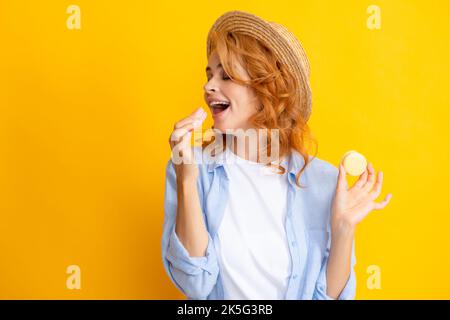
point(293, 162)
point(214, 162)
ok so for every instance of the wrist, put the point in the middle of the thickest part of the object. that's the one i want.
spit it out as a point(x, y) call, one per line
point(187, 173)
point(343, 229)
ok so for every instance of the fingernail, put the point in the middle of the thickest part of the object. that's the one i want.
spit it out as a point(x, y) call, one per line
point(196, 123)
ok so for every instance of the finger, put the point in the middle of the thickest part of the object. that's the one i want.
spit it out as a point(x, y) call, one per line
point(361, 181)
point(189, 119)
point(377, 189)
point(183, 139)
point(370, 179)
point(194, 121)
point(184, 149)
point(342, 180)
point(384, 203)
point(177, 134)
point(197, 114)
point(189, 126)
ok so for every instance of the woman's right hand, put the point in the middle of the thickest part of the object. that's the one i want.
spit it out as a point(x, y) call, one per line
point(180, 144)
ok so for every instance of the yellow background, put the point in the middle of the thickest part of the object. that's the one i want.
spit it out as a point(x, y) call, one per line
point(86, 115)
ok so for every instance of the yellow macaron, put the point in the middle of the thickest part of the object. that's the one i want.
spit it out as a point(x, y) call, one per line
point(354, 163)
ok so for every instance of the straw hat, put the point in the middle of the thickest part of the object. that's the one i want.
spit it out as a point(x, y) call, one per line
point(284, 44)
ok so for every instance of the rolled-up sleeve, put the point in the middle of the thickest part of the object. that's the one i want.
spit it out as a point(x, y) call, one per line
point(194, 276)
point(348, 293)
point(349, 290)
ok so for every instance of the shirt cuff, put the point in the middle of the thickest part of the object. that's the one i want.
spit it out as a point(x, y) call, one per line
point(348, 293)
point(180, 259)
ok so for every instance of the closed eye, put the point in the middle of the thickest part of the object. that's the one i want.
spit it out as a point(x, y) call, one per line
point(224, 77)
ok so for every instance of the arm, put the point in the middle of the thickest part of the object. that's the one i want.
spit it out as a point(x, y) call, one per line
point(188, 252)
point(194, 276)
point(337, 278)
point(339, 261)
point(190, 227)
point(350, 206)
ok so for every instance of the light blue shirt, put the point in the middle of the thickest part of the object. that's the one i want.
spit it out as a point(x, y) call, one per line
point(307, 229)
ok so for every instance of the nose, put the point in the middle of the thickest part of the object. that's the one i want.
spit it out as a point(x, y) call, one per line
point(210, 86)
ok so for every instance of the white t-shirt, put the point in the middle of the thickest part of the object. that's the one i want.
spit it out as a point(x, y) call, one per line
point(253, 253)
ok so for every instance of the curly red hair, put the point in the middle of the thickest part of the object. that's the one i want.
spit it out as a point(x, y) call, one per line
point(275, 86)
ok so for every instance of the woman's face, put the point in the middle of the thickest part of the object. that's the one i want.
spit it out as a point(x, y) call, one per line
point(238, 102)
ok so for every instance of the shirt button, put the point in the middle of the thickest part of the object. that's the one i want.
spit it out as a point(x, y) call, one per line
point(294, 243)
point(294, 276)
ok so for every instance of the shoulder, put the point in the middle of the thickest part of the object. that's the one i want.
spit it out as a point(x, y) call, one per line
point(323, 171)
point(320, 181)
point(317, 171)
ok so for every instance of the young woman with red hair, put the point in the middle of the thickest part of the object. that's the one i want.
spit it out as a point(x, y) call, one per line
point(238, 226)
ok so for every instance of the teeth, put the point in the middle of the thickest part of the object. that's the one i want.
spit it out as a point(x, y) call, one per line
point(214, 103)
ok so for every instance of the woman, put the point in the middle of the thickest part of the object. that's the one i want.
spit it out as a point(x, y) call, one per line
point(243, 227)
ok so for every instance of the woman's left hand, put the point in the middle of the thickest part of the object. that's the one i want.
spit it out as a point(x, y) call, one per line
point(351, 205)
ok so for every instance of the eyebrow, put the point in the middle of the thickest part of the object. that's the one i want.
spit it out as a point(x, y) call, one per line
point(209, 69)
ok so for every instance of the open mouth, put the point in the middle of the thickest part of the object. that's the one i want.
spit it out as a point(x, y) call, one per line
point(219, 107)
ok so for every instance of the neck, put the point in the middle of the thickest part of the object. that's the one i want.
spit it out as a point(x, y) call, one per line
point(246, 148)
